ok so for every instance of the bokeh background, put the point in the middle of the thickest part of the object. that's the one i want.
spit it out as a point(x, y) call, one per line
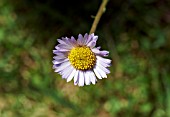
point(136, 32)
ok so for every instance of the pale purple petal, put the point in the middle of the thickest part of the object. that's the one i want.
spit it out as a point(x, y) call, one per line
point(67, 41)
point(55, 66)
point(85, 38)
point(89, 38)
point(56, 47)
point(104, 53)
point(101, 53)
point(61, 41)
point(59, 61)
point(74, 42)
point(92, 43)
point(62, 46)
point(59, 57)
point(59, 53)
point(63, 50)
point(73, 39)
point(55, 51)
point(80, 39)
point(95, 38)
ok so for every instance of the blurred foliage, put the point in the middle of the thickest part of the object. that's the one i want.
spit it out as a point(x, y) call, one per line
point(136, 32)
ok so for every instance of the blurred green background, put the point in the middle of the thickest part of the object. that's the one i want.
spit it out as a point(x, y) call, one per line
point(136, 32)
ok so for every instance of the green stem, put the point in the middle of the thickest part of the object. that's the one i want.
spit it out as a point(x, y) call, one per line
point(98, 16)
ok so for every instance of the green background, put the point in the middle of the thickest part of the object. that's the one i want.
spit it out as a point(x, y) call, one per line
point(136, 32)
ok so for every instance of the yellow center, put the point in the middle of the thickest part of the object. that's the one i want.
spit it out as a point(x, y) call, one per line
point(82, 58)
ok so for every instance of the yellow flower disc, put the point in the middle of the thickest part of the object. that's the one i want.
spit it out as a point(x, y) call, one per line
point(82, 58)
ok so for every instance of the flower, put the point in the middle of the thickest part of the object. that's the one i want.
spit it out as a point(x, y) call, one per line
point(80, 60)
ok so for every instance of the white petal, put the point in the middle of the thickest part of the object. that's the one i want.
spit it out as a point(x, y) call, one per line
point(97, 73)
point(63, 66)
point(108, 61)
point(96, 50)
point(99, 62)
point(101, 72)
point(81, 78)
point(87, 77)
point(95, 38)
point(91, 44)
point(76, 77)
point(103, 66)
point(71, 75)
point(67, 71)
point(98, 47)
point(92, 77)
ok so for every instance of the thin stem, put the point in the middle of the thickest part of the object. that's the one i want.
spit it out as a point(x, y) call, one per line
point(98, 16)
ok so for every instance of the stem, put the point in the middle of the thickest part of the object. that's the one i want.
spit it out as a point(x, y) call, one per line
point(98, 16)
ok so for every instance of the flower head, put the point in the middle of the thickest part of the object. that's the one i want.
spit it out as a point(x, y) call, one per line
point(80, 60)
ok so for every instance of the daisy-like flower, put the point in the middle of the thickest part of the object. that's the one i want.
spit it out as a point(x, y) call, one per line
point(80, 60)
